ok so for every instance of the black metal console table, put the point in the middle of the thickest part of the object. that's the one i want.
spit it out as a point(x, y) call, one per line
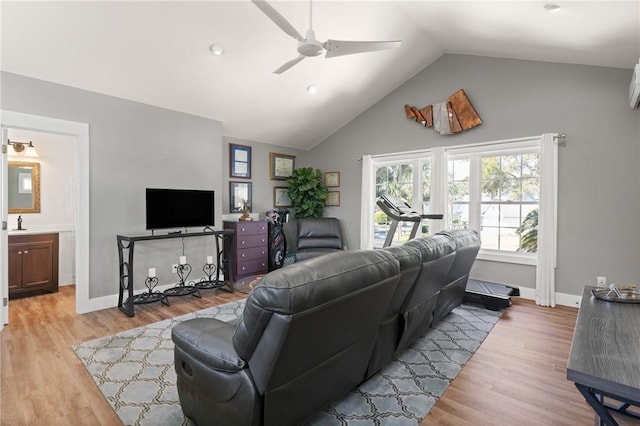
point(604, 359)
point(126, 243)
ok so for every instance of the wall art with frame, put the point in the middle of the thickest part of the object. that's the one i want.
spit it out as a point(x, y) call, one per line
point(281, 197)
point(281, 165)
point(332, 179)
point(239, 161)
point(333, 198)
point(238, 192)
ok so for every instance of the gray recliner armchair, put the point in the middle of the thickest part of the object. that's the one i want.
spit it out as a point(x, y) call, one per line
point(318, 236)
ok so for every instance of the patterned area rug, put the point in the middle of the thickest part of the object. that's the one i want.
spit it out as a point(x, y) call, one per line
point(246, 284)
point(134, 370)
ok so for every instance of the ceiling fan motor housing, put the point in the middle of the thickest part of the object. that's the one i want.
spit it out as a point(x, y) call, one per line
point(313, 48)
point(310, 46)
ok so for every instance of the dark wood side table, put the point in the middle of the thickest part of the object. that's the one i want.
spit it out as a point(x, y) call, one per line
point(604, 361)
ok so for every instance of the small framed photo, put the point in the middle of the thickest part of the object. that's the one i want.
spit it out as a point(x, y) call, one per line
point(281, 197)
point(239, 161)
point(238, 192)
point(333, 198)
point(281, 165)
point(331, 179)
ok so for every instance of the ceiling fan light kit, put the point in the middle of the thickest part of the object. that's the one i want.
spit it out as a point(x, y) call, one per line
point(216, 49)
point(310, 46)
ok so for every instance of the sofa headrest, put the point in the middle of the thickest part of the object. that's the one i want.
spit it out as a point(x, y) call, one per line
point(322, 232)
point(302, 287)
point(433, 247)
point(321, 227)
point(462, 237)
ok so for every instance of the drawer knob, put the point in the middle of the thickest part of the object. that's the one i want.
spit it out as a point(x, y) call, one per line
point(19, 252)
point(242, 255)
point(26, 252)
point(242, 242)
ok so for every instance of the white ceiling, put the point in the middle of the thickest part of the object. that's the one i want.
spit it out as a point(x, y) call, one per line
point(158, 52)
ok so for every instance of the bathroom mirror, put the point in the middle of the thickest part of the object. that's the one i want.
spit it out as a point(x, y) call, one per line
point(23, 185)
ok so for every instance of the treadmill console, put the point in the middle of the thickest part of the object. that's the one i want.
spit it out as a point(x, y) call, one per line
point(396, 206)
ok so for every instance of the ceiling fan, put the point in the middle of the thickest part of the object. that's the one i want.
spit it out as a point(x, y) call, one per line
point(310, 46)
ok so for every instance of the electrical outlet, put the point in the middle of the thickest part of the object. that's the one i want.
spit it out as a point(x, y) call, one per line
point(601, 281)
point(174, 268)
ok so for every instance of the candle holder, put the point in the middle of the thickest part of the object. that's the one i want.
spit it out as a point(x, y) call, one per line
point(151, 296)
point(211, 277)
point(182, 288)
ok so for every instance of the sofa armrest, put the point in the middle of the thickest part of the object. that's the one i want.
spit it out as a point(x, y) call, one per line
point(209, 341)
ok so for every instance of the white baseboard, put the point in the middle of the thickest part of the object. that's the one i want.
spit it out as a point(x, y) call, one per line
point(67, 279)
point(111, 301)
point(563, 299)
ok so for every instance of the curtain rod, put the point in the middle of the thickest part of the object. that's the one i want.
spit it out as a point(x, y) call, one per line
point(560, 137)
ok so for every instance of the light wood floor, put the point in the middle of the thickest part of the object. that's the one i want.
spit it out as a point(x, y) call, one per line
point(517, 377)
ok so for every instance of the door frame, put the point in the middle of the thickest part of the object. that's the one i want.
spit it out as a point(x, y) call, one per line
point(17, 120)
point(4, 232)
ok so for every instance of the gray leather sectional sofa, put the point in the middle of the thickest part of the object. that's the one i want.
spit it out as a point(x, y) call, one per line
point(314, 330)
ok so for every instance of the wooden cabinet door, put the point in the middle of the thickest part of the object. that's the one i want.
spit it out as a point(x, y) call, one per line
point(37, 264)
point(15, 266)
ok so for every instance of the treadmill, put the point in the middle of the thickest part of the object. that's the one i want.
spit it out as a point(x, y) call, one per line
point(401, 211)
point(492, 295)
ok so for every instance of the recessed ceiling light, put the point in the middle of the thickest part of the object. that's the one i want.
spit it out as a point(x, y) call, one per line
point(549, 7)
point(311, 89)
point(216, 49)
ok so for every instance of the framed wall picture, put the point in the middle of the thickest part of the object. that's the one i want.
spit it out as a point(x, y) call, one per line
point(281, 197)
point(331, 179)
point(281, 165)
point(239, 161)
point(238, 192)
point(333, 198)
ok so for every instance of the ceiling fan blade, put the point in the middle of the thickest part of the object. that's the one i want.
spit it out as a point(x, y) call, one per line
point(279, 20)
point(289, 64)
point(340, 47)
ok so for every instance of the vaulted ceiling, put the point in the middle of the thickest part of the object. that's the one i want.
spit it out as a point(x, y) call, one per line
point(159, 52)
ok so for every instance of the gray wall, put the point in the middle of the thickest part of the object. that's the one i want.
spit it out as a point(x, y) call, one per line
point(261, 184)
point(132, 146)
point(599, 199)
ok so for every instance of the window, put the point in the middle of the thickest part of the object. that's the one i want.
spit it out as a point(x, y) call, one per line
point(409, 179)
point(496, 193)
point(459, 172)
point(491, 187)
point(510, 192)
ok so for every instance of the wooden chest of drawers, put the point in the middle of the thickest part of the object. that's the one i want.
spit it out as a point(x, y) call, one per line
point(249, 248)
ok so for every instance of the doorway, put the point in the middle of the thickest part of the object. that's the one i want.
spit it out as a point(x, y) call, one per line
point(54, 157)
point(79, 132)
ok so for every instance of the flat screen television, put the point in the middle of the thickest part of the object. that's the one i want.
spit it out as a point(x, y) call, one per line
point(179, 208)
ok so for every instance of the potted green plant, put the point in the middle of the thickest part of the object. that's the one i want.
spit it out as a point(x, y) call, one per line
point(307, 191)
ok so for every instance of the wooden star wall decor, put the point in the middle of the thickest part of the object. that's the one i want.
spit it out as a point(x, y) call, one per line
point(446, 118)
